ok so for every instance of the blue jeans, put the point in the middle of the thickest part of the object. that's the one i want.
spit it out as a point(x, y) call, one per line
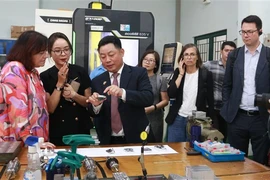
point(177, 130)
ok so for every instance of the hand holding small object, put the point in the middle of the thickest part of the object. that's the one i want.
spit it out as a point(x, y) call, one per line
point(101, 97)
point(68, 92)
point(96, 99)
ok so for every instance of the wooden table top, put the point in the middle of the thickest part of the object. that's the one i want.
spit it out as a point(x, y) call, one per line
point(253, 176)
point(175, 163)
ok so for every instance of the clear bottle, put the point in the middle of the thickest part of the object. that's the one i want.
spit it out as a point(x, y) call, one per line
point(33, 170)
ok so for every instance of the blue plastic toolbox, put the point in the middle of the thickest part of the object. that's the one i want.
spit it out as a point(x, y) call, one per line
point(220, 157)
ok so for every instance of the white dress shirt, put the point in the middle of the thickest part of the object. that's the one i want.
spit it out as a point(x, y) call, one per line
point(249, 89)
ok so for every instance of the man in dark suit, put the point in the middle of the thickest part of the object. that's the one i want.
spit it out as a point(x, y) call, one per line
point(247, 75)
point(121, 116)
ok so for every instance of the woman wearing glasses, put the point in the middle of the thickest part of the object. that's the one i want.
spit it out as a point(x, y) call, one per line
point(68, 87)
point(23, 110)
point(151, 61)
point(192, 87)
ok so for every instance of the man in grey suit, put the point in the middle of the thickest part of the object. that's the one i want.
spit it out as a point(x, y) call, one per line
point(247, 74)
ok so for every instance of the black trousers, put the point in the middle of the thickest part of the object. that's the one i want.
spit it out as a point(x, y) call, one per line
point(221, 125)
point(245, 128)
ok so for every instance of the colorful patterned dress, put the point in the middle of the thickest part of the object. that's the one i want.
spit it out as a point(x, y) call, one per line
point(25, 110)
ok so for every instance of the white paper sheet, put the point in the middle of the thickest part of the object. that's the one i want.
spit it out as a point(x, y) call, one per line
point(123, 151)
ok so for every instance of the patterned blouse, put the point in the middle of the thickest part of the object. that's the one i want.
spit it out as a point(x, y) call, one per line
point(25, 110)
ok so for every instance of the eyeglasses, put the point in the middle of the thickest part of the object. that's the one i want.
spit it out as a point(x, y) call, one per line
point(58, 52)
point(192, 55)
point(151, 61)
point(249, 32)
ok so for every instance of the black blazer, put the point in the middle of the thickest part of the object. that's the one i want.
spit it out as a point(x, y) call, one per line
point(234, 82)
point(205, 95)
point(138, 96)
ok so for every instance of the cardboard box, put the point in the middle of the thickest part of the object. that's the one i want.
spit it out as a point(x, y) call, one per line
point(16, 31)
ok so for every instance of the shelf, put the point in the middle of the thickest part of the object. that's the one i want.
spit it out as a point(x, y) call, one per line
point(3, 55)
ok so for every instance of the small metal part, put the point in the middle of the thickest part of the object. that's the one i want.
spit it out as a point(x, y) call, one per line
point(112, 164)
point(128, 150)
point(160, 146)
point(90, 166)
point(12, 168)
point(111, 151)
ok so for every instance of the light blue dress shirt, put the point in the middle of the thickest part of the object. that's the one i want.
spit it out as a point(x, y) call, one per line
point(97, 71)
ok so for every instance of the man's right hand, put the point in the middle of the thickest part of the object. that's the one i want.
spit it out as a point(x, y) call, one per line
point(94, 99)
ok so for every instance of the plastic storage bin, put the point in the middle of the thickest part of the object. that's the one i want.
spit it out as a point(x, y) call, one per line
point(220, 157)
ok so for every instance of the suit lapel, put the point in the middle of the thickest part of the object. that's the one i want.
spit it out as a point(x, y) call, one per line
point(261, 63)
point(106, 80)
point(240, 64)
point(125, 76)
point(200, 81)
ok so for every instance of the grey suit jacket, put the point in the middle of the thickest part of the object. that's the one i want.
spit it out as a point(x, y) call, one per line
point(234, 82)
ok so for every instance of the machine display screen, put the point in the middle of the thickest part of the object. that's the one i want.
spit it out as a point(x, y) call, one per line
point(130, 46)
point(168, 55)
point(134, 29)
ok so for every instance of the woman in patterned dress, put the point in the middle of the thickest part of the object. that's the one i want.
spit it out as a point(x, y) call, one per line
point(24, 114)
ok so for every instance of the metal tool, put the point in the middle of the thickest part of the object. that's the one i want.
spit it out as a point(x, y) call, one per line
point(143, 137)
point(12, 168)
point(90, 166)
point(141, 160)
point(112, 164)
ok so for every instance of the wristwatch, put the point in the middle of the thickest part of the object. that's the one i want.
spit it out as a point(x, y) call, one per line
point(59, 88)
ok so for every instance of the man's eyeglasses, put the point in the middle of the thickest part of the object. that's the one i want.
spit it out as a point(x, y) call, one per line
point(58, 52)
point(151, 61)
point(192, 55)
point(249, 32)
